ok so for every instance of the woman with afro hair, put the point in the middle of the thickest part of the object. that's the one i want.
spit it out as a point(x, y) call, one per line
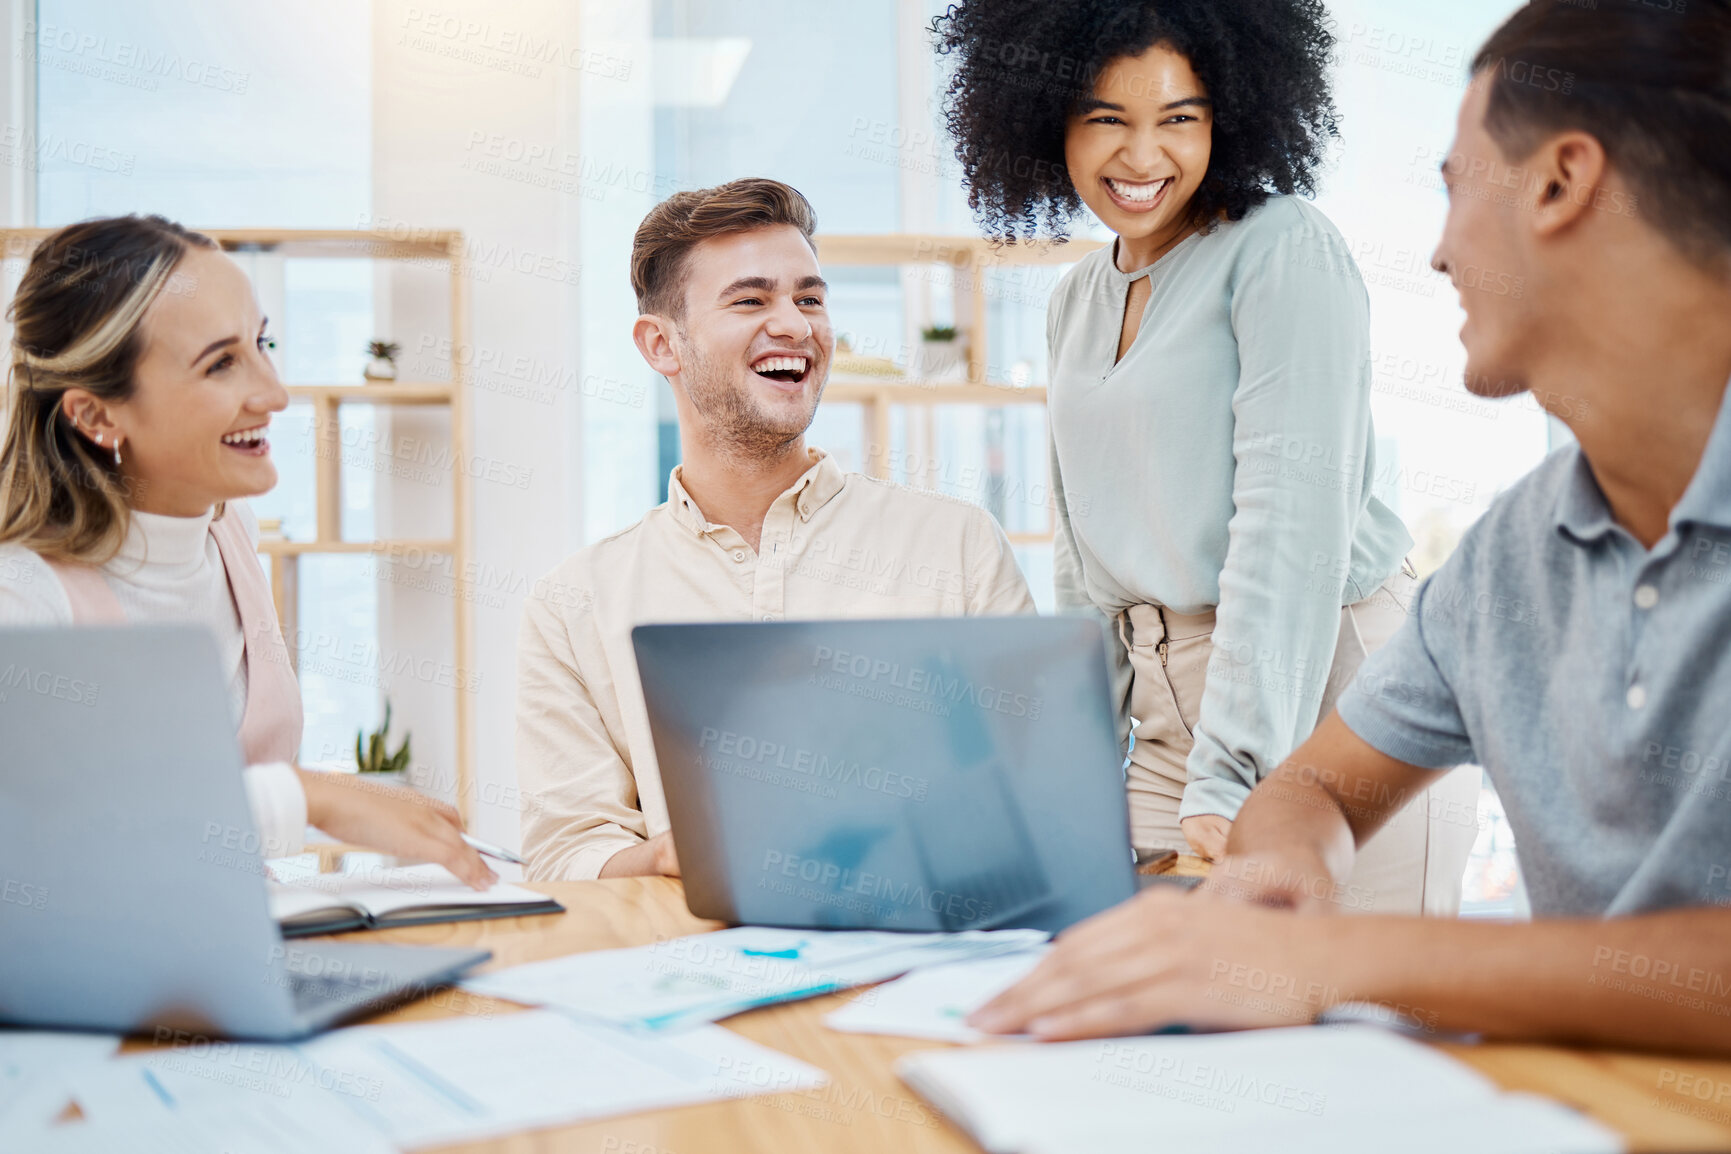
point(1212, 452)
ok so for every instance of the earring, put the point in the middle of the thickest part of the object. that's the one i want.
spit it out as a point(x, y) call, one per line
point(99, 438)
point(117, 451)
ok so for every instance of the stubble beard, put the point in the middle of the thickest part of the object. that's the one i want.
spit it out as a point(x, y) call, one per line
point(735, 424)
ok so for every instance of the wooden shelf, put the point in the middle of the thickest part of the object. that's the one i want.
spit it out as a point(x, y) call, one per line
point(959, 251)
point(973, 261)
point(282, 548)
point(382, 244)
point(402, 393)
point(870, 390)
point(350, 244)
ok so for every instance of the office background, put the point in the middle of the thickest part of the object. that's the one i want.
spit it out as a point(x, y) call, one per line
point(544, 130)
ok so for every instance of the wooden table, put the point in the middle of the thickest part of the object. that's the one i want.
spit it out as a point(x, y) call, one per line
point(865, 1108)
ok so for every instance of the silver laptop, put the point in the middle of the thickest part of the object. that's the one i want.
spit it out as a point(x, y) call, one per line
point(132, 893)
point(916, 775)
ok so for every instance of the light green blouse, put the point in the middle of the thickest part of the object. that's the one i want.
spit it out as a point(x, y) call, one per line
point(1225, 462)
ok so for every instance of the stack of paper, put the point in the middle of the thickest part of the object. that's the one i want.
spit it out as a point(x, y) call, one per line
point(934, 1003)
point(707, 977)
point(1310, 1090)
point(422, 1084)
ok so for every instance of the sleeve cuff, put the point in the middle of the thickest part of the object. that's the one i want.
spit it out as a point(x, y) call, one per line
point(279, 808)
point(583, 864)
point(1393, 738)
point(1213, 795)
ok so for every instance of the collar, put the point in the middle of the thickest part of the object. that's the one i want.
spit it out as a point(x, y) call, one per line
point(815, 488)
point(166, 543)
point(1707, 500)
point(1125, 278)
point(1583, 513)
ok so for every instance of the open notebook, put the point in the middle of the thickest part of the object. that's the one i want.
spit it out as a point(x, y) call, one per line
point(377, 899)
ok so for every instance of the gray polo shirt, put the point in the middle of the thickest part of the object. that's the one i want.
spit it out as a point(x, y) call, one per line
point(1591, 677)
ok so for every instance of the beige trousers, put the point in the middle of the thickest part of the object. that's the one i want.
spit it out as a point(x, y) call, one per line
point(1413, 865)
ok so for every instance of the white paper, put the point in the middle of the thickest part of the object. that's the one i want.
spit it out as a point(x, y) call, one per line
point(434, 1083)
point(206, 1075)
point(932, 1003)
point(384, 891)
point(706, 977)
point(1503, 1124)
point(465, 1079)
point(1334, 1089)
point(238, 1128)
point(35, 1066)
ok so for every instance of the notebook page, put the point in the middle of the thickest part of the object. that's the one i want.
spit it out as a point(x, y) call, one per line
point(383, 891)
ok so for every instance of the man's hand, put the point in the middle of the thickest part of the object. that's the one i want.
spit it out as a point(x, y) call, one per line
point(653, 857)
point(393, 820)
point(1207, 834)
point(1165, 959)
point(666, 859)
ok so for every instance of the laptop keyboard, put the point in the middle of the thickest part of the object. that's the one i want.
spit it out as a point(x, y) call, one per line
point(310, 992)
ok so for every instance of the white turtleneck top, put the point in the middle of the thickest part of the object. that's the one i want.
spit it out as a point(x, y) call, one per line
point(170, 571)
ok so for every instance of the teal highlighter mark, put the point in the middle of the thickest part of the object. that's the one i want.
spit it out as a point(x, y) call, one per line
point(790, 954)
point(662, 1021)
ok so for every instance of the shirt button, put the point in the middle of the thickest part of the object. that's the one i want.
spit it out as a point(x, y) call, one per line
point(1646, 597)
point(739, 554)
point(1637, 696)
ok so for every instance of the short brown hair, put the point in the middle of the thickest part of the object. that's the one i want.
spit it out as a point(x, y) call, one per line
point(684, 220)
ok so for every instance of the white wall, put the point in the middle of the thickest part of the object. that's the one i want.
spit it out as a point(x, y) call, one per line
point(17, 117)
point(479, 118)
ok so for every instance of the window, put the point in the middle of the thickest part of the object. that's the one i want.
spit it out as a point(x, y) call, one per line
point(223, 115)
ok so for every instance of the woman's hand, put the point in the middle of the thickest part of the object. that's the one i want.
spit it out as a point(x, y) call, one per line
point(1207, 833)
point(393, 820)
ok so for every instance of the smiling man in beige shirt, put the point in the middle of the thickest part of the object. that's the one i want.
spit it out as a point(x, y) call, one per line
point(757, 526)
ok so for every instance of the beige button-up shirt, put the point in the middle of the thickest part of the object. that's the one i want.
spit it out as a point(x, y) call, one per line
point(835, 545)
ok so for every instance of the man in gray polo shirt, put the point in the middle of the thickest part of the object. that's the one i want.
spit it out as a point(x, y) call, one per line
point(1577, 644)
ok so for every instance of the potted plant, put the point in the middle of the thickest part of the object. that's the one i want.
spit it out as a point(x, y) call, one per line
point(370, 751)
point(382, 363)
point(940, 355)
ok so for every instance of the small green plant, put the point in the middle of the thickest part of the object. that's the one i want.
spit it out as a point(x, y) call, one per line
point(370, 754)
point(938, 333)
point(384, 350)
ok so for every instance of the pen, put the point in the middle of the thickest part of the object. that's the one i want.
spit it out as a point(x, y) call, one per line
point(492, 850)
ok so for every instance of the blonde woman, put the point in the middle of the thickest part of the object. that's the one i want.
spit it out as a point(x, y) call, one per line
point(139, 407)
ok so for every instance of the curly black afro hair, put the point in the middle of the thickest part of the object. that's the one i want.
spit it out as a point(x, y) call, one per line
point(1023, 65)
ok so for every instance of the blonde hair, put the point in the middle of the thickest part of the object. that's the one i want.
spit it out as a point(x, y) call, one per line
point(76, 318)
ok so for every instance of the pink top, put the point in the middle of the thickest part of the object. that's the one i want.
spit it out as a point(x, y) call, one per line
point(270, 727)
